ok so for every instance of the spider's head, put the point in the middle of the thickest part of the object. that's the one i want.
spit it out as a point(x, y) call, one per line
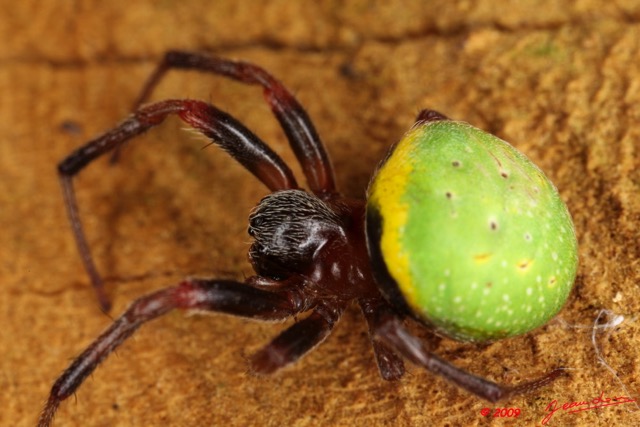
point(289, 227)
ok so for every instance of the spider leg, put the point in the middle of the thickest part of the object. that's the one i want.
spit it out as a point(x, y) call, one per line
point(297, 340)
point(394, 334)
point(390, 365)
point(211, 295)
point(220, 127)
point(297, 125)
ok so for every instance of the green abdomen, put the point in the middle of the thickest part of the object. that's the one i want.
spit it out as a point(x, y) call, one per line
point(474, 235)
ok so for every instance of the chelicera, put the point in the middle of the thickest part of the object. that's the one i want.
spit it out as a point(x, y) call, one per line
point(313, 251)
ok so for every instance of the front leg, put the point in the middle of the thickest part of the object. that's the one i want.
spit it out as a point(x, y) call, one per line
point(223, 130)
point(223, 296)
point(300, 131)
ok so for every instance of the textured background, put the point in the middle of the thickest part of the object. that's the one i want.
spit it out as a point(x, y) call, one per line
point(559, 81)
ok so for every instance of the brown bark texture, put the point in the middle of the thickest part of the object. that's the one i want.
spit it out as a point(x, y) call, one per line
point(559, 80)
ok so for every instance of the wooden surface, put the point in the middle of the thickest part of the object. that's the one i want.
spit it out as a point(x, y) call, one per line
point(559, 80)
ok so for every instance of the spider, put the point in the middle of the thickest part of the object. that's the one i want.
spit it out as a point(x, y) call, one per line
point(317, 251)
